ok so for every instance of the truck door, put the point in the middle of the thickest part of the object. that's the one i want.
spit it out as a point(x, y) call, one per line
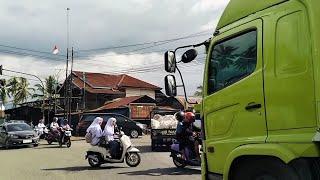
point(234, 110)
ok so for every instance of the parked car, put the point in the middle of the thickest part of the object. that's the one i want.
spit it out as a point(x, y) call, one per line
point(129, 127)
point(144, 127)
point(17, 133)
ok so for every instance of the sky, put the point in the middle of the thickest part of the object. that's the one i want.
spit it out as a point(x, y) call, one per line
point(96, 27)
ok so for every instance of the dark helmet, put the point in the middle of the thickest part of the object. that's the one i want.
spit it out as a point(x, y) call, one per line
point(190, 117)
point(180, 116)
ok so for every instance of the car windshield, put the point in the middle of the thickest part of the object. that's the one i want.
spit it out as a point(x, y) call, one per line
point(18, 127)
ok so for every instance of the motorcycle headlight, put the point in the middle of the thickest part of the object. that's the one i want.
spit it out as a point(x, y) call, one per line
point(13, 136)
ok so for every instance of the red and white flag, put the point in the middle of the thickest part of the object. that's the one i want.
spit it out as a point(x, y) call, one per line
point(55, 50)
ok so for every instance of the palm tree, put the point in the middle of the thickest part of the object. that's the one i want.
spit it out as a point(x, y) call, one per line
point(199, 91)
point(4, 90)
point(20, 91)
point(48, 91)
point(13, 86)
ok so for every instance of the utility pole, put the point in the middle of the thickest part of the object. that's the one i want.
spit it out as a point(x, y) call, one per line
point(70, 88)
point(84, 90)
point(66, 94)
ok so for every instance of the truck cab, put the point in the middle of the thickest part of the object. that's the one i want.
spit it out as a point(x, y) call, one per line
point(260, 107)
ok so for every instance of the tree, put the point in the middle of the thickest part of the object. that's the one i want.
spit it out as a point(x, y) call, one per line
point(48, 91)
point(21, 91)
point(4, 90)
point(199, 91)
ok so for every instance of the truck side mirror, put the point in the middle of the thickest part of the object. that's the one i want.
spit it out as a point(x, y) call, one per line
point(170, 61)
point(170, 85)
point(189, 55)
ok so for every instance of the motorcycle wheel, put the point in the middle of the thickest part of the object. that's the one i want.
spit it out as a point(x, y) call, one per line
point(178, 162)
point(49, 141)
point(68, 143)
point(94, 161)
point(133, 159)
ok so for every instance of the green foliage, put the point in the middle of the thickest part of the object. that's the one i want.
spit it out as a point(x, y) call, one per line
point(48, 91)
point(199, 91)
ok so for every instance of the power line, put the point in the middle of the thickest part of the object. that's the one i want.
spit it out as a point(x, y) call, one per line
point(144, 43)
point(30, 50)
point(131, 52)
point(20, 76)
point(27, 54)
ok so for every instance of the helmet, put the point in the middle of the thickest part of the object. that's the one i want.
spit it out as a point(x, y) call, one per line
point(190, 117)
point(179, 116)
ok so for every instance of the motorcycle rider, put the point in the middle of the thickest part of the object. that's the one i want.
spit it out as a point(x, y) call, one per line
point(109, 134)
point(41, 127)
point(64, 126)
point(54, 127)
point(186, 133)
point(95, 130)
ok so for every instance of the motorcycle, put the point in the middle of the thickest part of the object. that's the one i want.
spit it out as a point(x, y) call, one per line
point(98, 155)
point(183, 158)
point(52, 136)
point(42, 132)
point(66, 137)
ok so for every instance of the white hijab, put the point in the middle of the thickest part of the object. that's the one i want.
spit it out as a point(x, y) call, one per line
point(95, 124)
point(109, 129)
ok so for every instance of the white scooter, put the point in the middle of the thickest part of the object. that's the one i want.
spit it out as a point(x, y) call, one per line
point(98, 155)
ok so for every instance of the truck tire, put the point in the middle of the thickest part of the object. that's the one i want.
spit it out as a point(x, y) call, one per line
point(307, 168)
point(265, 168)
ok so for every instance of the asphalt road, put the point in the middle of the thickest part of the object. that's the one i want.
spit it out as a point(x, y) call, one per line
point(51, 162)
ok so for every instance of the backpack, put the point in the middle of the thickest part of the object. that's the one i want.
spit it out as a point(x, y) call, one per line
point(88, 137)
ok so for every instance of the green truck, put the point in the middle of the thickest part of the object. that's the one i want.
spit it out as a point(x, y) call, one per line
point(261, 98)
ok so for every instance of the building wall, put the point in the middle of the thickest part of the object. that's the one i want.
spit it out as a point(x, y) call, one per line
point(140, 92)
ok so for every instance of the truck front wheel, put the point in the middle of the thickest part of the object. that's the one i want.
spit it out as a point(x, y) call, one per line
point(265, 168)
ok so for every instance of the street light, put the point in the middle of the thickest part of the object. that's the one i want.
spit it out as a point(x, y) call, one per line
point(18, 72)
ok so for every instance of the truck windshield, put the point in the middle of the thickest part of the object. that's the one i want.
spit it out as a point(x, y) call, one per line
point(18, 127)
point(232, 60)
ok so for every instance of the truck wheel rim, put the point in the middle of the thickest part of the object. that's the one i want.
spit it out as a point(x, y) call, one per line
point(134, 133)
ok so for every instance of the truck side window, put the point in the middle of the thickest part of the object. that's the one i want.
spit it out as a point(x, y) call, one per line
point(232, 60)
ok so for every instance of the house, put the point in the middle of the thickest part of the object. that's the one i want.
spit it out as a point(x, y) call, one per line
point(136, 107)
point(191, 101)
point(93, 90)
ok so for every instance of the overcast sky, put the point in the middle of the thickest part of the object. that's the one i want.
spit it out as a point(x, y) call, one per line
point(100, 24)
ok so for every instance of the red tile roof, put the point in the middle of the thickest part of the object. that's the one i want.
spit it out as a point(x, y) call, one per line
point(79, 83)
point(119, 103)
point(109, 83)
